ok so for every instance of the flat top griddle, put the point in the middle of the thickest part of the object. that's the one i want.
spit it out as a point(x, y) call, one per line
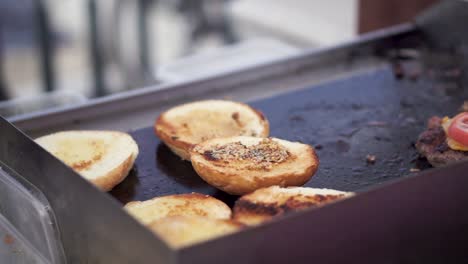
point(379, 112)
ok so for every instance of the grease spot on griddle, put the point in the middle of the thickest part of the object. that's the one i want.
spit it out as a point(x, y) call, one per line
point(405, 103)
point(342, 146)
point(296, 118)
point(349, 132)
point(381, 138)
point(357, 106)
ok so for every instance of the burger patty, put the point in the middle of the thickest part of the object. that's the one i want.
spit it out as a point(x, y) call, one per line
point(432, 144)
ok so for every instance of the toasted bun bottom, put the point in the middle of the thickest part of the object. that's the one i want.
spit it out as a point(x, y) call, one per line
point(182, 231)
point(192, 204)
point(186, 125)
point(115, 176)
point(267, 203)
point(246, 175)
point(102, 157)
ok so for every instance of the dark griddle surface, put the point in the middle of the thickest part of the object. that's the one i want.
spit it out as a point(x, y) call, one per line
point(371, 113)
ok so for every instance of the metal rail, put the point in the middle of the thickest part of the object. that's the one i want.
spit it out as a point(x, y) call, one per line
point(145, 53)
point(46, 46)
point(97, 63)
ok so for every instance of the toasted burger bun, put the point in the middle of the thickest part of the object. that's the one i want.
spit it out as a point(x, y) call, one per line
point(266, 203)
point(184, 126)
point(182, 231)
point(240, 165)
point(102, 157)
point(193, 204)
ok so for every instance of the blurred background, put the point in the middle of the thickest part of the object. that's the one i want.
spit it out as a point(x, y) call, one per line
point(61, 53)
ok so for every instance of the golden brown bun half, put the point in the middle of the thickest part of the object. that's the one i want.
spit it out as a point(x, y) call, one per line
point(182, 231)
point(183, 126)
point(102, 157)
point(193, 204)
point(240, 165)
point(266, 203)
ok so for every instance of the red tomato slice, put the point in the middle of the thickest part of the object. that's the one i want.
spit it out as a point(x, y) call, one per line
point(458, 130)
